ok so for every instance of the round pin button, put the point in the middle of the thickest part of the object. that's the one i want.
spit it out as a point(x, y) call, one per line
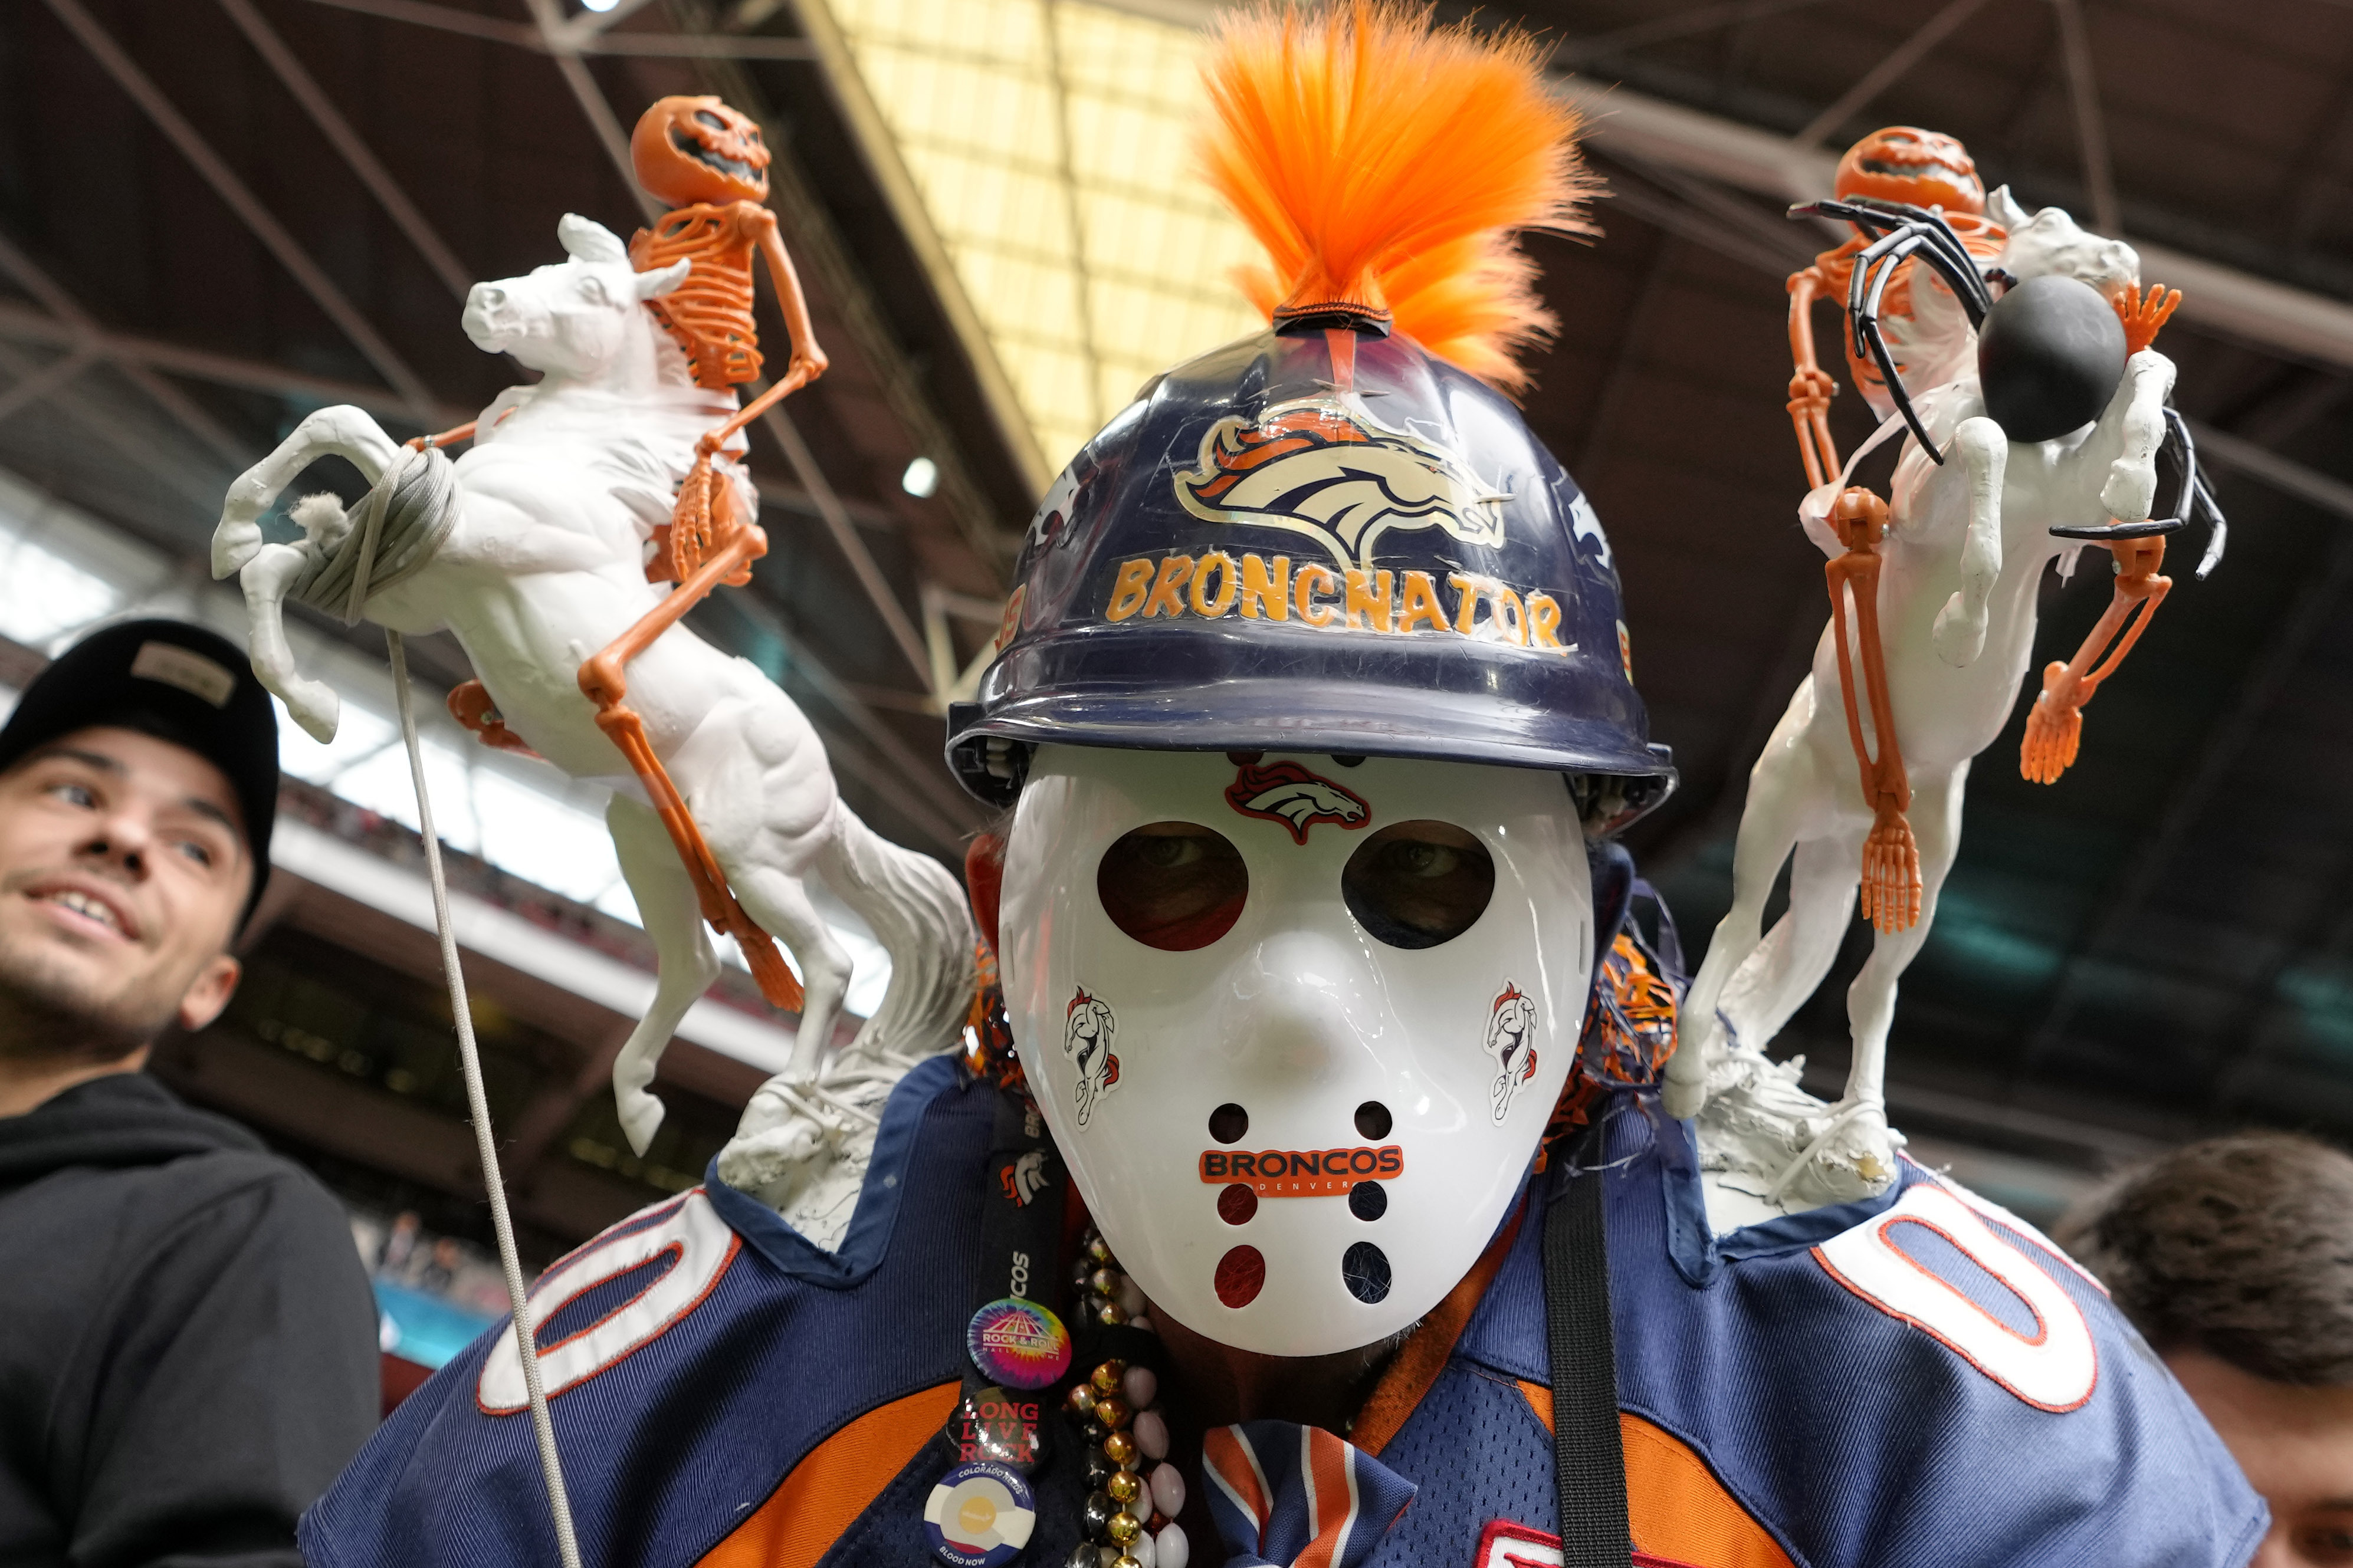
point(1018, 1343)
point(980, 1516)
point(1004, 1425)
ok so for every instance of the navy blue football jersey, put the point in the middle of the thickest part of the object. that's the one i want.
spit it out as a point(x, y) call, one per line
point(1919, 1379)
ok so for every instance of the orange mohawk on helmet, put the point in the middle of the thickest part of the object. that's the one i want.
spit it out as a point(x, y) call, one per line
point(1387, 166)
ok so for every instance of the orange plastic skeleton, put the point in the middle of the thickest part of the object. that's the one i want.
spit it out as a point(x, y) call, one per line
point(1924, 169)
point(710, 162)
point(1890, 856)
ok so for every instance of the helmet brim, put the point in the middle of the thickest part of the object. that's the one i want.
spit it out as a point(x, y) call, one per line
point(1488, 706)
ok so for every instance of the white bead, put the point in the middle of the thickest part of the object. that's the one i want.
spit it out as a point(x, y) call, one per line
point(1170, 1549)
point(1131, 1295)
point(1168, 1490)
point(1144, 1323)
point(1140, 1385)
point(1151, 1433)
point(1141, 1548)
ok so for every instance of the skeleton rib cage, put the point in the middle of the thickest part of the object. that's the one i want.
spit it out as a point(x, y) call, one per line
point(710, 314)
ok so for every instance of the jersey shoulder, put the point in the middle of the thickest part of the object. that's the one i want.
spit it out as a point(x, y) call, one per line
point(694, 1355)
point(1918, 1377)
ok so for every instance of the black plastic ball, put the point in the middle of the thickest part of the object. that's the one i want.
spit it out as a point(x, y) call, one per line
point(2050, 355)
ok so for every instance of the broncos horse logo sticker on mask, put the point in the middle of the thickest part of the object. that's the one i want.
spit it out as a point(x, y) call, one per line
point(1087, 1030)
point(1287, 792)
point(1321, 469)
point(1509, 1024)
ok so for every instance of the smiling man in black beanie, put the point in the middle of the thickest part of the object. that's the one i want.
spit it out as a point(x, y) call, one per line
point(187, 1342)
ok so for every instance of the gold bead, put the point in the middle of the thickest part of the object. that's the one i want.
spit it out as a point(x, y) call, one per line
point(1099, 1249)
point(1104, 1282)
point(1123, 1526)
point(1125, 1561)
point(1110, 1316)
point(1121, 1450)
point(1081, 1399)
point(1106, 1377)
point(1125, 1486)
point(1113, 1412)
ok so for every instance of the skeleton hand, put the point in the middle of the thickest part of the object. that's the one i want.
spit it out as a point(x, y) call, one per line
point(1958, 636)
point(2143, 316)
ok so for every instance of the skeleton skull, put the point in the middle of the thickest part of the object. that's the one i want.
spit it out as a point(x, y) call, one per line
point(689, 150)
point(1904, 163)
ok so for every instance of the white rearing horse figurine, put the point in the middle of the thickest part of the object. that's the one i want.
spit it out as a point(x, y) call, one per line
point(545, 566)
point(1964, 551)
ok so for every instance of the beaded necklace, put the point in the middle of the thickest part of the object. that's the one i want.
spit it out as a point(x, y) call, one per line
point(1134, 1493)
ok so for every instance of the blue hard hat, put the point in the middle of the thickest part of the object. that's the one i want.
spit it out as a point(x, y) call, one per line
point(1317, 539)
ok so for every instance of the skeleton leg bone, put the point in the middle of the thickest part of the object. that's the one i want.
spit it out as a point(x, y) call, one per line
point(1891, 858)
point(685, 962)
point(2054, 725)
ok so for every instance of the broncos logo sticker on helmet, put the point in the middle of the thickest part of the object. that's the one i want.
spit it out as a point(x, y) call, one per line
point(1287, 792)
point(1319, 468)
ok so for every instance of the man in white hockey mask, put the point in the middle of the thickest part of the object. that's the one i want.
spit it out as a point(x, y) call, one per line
point(1302, 1195)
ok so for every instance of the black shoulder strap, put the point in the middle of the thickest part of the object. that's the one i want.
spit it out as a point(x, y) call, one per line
point(1589, 1455)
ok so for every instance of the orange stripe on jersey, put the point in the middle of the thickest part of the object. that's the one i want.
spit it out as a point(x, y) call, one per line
point(838, 1480)
point(1676, 1506)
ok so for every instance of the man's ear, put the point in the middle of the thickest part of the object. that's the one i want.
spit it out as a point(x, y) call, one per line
point(214, 984)
point(984, 874)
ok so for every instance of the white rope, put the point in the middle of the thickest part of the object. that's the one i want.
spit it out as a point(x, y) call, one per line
point(559, 1505)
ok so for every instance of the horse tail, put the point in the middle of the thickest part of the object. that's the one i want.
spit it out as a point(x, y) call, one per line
point(919, 913)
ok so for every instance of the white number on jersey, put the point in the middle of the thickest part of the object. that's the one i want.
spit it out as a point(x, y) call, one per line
point(2052, 1368)
point(703, 1247)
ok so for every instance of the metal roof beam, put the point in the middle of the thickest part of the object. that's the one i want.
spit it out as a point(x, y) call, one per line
point(69, 312)
point(21, 324)
point(339, 133)
point(142, 90)
point(2293, 323)
point(573, 38)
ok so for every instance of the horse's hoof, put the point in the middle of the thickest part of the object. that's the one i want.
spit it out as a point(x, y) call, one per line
point(317, 708)
point(763, 1163)
point(1854, 1158)
point(641, 1115)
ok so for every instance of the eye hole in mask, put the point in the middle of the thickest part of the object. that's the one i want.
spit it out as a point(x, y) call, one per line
point(1175, 886)
point(1417, 884)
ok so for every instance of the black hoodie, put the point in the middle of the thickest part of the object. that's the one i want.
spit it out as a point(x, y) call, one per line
point(188, 1340)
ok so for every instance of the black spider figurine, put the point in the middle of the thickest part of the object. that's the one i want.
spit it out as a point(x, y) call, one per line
point(2051, 351)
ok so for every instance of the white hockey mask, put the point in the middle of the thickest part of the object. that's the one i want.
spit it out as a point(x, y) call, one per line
point(1297, 1026)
